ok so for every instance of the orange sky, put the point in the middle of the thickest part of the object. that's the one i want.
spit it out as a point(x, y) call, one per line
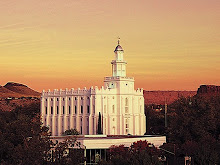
point(169, 45)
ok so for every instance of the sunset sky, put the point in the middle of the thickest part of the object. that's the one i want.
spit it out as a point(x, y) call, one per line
point(169, 45)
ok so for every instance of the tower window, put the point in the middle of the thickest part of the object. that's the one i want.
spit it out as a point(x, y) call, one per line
point(51, 110)
point(126, 109)
point(57, 110)
point(69, 98)
point(46, 110)
point(63, 99)
point(104, 108)
point(127, 126)
point(75, 98)
point(75, 109)
point(126, 102)
point(51, 99)
point(63, 110)
point(57, 99)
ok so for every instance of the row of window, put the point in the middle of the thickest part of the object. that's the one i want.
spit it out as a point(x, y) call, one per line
point(63, 110)
point(75, 98)
point(68, 125)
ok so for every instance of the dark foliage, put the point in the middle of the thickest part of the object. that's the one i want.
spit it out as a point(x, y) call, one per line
point(71, 132)
point(23, 141)
point(139, 153)
point(194, 125)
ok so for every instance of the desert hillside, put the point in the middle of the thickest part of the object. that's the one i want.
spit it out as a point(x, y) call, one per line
point(12, 89)
point(159, 97)
point(4, 92)
point(208, 90)
point(15, 94)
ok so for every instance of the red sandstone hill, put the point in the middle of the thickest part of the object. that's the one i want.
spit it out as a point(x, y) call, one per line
point(21, 89)
point(25, 94)
point(12, 89)
point(159, 97)
point(4, 92)
point(208, 90)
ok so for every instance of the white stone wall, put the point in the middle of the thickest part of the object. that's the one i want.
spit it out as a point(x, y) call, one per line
point(65, 109)
point(121, 107)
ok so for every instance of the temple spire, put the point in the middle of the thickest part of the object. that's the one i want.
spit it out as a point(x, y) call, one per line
point(118, 40)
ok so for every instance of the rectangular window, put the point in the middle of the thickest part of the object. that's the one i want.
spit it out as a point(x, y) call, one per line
point(57, 110)
point(75, 123)
point(69, 110)
point(81, 126)
point(51, 110)
point(104, 108)
point(63, 110)
point(87, 126)
point(127, 126)
point(126, 109)
point(81, 109)
point(46, 110)
point(88, 109)
point(75, 109)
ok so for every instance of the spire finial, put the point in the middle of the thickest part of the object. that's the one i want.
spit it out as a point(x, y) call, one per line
point(118, 40)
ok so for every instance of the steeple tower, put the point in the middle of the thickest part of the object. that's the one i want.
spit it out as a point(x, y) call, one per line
point(118, 64)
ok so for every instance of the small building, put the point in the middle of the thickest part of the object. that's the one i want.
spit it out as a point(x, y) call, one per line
point(97, 145)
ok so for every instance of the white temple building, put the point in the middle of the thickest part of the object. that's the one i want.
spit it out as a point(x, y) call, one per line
point(118, 106)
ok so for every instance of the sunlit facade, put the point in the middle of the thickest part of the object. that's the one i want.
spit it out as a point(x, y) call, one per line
point(116, 106)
